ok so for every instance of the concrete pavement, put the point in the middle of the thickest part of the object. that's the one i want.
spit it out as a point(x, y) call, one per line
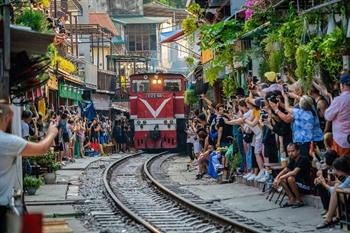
point(58, 200)
point(246, 200)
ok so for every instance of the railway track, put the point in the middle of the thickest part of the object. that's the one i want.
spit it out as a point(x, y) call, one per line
point(132, 187)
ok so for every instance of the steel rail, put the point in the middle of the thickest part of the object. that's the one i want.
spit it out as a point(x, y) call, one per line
point(116, 200)
point(189, 204)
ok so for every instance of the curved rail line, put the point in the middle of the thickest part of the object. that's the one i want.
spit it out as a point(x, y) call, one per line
point(132, 187)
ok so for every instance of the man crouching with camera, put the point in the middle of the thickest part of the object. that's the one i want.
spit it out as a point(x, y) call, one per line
point(11, 147)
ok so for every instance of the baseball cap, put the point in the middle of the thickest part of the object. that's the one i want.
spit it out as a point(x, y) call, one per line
point(271, 76)
point(345, 79)
point(259, 102)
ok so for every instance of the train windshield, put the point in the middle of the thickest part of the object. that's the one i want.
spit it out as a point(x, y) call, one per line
point(172, 85)
point(140, 86)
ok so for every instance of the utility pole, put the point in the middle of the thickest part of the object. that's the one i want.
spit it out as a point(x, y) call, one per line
point(6, 52)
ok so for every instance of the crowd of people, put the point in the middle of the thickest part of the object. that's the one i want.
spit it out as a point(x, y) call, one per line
point(77, 136)
point(277, 121)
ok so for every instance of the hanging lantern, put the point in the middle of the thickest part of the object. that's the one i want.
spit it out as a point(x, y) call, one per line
point(331, 24)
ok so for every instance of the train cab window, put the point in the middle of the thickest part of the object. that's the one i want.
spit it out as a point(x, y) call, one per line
point(172, 85)
point(140, 85)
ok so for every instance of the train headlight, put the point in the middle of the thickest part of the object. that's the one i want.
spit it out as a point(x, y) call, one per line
point(138, 122)
point(165, 122)
point(171, 121)
point(144, 122)
point(154, 81)
point(159, 81)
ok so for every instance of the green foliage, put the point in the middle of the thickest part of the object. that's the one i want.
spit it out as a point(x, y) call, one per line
point(34, 19)
point(48, 161)
point(219, 35)
point(301, 58)
point(189, 25)
point(32, 182)
point(275, 61)
point(229, 86)
point(195, 9)
point(189, 61)
point(190, 97)
point(212, 72)
point(331, 50)
point(289, 34)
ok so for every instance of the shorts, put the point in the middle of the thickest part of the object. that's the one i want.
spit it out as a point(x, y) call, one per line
point(197, 147)
point(340, 150)
point(257, 143)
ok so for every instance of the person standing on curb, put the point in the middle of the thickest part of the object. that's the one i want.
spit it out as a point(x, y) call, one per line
point(338, 113)
point(11, 147)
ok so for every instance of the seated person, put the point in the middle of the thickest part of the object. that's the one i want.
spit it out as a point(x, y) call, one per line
point(342, 172)
point(294, 178)
point(203, 162)
point(325, 174)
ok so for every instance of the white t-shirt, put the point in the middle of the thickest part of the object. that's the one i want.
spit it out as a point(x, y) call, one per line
point(11, 147)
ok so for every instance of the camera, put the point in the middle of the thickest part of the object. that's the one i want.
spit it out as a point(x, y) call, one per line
point(273, 99)
point(264, 115)
point(285, 89)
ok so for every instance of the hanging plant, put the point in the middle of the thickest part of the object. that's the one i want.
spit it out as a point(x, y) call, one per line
point(301, 58)
point(290, 34)
point(189, 61)
point(229, 86)
point(34, 19)
point(275, 61)
point(195, 9)
point(331, 51)
point(189, 25)
point(212, 72)
point(190, 97)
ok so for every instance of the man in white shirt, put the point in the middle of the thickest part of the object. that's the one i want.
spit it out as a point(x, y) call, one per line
point(11, 147)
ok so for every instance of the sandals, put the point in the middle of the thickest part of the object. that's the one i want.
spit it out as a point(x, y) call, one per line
point(297, 205)
point(287, 204)
point(326, 224)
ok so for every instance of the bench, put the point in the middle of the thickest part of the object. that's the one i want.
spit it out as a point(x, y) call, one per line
point(343, 196)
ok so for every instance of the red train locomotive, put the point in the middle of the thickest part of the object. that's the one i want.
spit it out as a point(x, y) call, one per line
point(157, 110)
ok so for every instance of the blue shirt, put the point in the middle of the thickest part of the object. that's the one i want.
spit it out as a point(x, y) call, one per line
point(343, 185)
point(305, 127)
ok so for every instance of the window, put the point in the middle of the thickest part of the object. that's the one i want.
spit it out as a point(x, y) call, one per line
point(140, 86)
point(141, 37)
point(172, 85)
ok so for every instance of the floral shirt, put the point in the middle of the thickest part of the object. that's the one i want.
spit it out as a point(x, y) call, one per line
point(305, 127)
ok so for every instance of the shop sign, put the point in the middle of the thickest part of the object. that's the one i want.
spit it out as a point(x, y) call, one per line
point(52, 83)
point(207, 55)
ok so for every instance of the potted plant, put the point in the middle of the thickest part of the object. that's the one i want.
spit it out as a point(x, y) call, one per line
point(52, 167)
point(31, 184)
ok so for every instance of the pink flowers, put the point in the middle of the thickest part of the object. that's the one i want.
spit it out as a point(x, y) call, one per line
point(249, 8)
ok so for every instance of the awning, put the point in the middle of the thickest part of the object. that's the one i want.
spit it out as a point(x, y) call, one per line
point(121, 106)
point(139, 20)
point(22, 37)
point(172, 36)
point(101, 101)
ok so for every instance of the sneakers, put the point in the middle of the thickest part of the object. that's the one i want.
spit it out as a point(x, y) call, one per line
point(260, 175)
point(246, 176)
point(251, 178)
point(264, 177)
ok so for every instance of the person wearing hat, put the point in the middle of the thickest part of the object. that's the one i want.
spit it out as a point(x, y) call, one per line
point(338, 113)
point(271, 77)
